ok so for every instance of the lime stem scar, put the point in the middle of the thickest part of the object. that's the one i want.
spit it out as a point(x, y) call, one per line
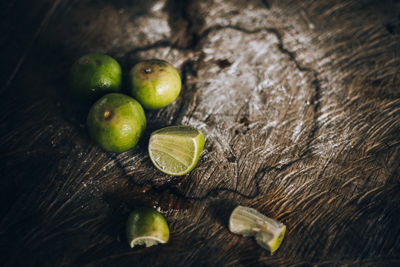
point(147, 70)
point(107, 114)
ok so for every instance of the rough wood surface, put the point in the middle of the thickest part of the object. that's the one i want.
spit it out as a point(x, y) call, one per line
point(299, 102)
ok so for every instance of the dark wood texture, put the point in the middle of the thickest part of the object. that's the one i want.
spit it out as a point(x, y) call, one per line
point(299, 102)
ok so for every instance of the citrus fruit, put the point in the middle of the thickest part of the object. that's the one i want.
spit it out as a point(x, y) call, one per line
point(175, 150)
point(155, 83)
point(94, 75)
point(116, 122)
point(267, 232)
point(146, 226)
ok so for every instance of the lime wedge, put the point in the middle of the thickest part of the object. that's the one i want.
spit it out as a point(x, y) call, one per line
point(267, 232)
point(175, 150)
point(146, 226)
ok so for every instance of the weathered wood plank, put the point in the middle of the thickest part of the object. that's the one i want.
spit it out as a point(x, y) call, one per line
point(299, 102)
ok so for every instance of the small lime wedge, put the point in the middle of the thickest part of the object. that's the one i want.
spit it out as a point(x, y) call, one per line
point(267, 232)
point(146, 226)
point(175, 150)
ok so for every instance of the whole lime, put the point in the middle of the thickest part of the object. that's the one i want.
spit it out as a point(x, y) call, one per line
point(116, 122)
point(155, 83)
point(94, 75)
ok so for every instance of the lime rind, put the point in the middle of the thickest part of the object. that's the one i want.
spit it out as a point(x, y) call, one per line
point(267, 232)
point(147, 241)
point(272, 244)
point(94, 75)
point(155, 83)
point(122, 128)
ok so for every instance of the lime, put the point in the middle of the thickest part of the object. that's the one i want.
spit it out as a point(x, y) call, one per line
point(94, 75)
point(155, 83)
point(146, 226)
point(175, 150)
point(247, 221)
point(116, 122)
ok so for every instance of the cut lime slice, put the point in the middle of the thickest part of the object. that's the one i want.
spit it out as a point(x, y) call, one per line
point(267, 232)
point(146, 226)
point(175, 150)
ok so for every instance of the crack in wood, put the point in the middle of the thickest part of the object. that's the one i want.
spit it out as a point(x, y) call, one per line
point(362, 203)
point(262, 170)
point(266, 4)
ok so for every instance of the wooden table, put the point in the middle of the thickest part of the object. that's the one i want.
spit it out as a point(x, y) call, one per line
point(299, 102)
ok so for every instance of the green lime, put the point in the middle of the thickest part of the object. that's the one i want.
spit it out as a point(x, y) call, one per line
point(94, 75)
point(268, 232)
point(116, 122)
point(155, 83)
point(146, 226)
point(175, 150)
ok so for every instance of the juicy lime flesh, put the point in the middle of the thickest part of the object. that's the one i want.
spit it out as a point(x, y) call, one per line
point(146, 226)
point(116, 122)
point(175, 150)
point(267, 232)
point(155, 83)
point(146, 241)
point(94, 75)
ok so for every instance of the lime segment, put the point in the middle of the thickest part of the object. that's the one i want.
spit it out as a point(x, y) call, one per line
point(175, 150)
point(146, 226)
point(267, 232)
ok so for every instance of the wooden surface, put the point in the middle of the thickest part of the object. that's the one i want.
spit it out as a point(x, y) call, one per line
point(299, 102)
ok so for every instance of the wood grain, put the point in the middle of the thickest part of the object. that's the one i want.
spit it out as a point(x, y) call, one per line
point(299, 102)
